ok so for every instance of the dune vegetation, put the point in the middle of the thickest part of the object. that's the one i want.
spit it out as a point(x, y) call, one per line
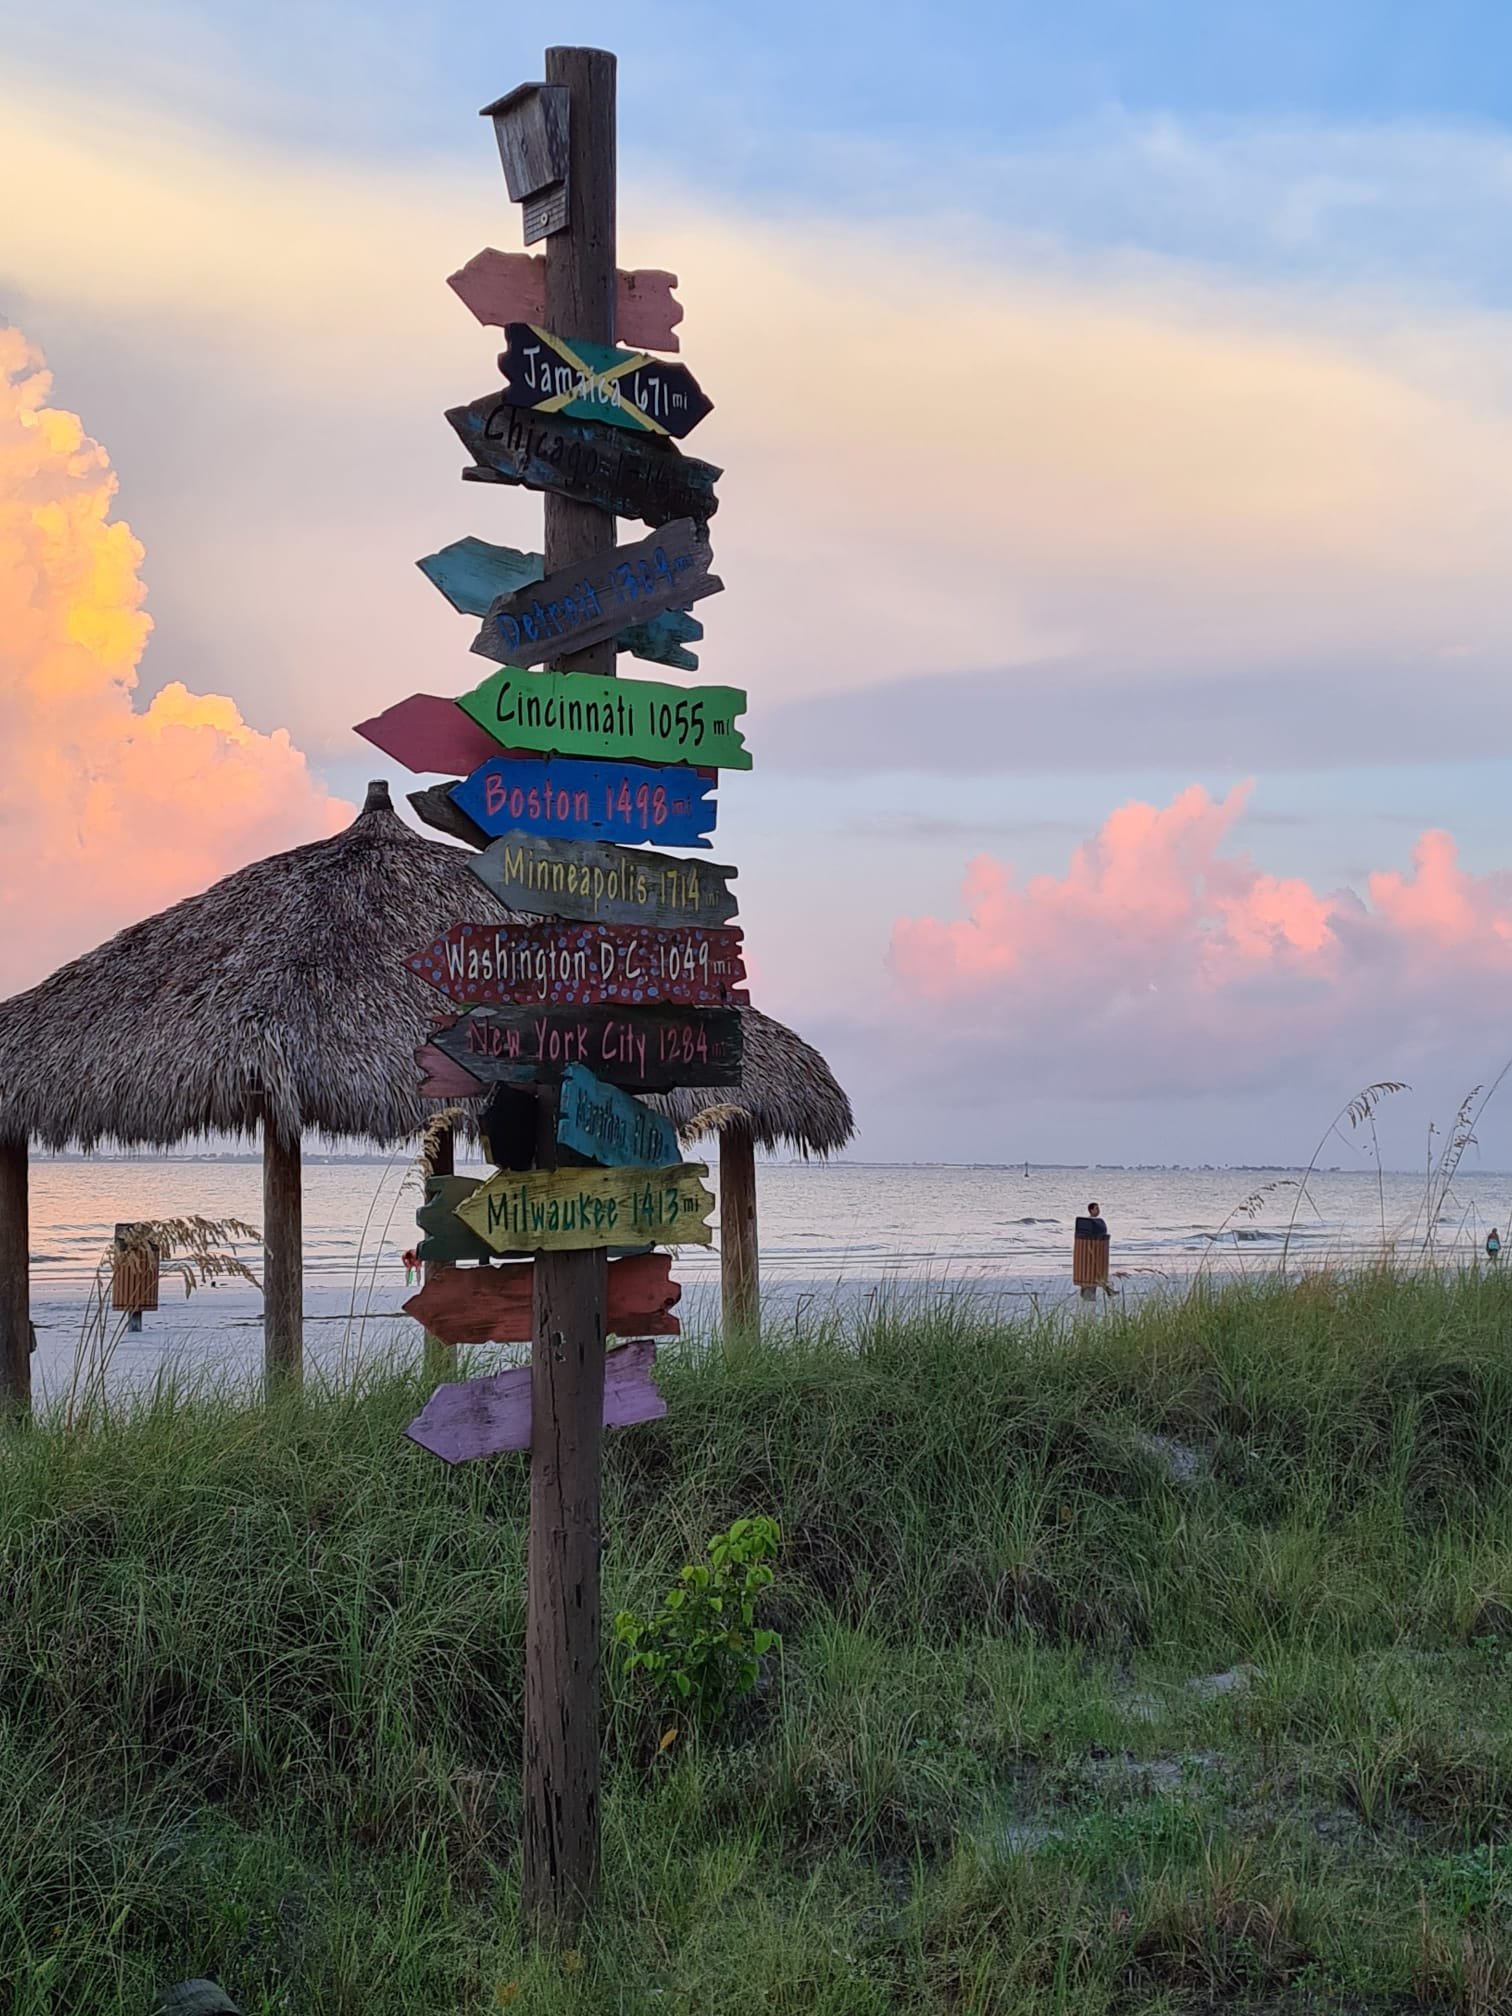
point(1158, 1662)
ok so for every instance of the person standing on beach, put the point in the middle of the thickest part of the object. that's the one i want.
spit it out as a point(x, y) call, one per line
point(1089, 1255)
point(1493, 1245)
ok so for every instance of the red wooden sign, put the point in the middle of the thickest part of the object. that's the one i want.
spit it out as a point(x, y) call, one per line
point(426, 732)
point(582, 965)
point(484, 1417)
point(492, 1305)
point(504, 287)
point(443, 1077)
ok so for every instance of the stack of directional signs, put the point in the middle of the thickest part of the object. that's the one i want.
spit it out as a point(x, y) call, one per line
point(629, 978)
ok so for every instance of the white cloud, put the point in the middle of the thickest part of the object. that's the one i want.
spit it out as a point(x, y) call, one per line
point(936, 464)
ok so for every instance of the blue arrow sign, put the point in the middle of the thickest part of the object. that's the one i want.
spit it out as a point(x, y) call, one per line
point(576, 800)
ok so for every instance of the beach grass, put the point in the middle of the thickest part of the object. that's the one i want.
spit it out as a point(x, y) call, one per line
point(1156, 1662)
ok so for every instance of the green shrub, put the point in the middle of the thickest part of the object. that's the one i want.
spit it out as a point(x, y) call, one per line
point(702, 1650)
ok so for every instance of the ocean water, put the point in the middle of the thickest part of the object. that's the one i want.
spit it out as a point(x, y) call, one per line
point(831, 1234)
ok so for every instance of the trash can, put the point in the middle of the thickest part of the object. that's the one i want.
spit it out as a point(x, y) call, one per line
point(1089, 1254)
point(133, 1271)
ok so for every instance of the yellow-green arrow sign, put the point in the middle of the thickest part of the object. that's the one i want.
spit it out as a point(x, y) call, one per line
point(559, 1210)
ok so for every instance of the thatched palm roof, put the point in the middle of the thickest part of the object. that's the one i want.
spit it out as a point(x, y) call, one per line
point(282, 989)
point(788, 1096)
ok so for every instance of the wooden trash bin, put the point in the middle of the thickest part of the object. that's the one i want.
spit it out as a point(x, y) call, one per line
point(1089, 1254)
point(133, 1274)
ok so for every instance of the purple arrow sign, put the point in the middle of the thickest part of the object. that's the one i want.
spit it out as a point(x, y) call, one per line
point(484, 1417)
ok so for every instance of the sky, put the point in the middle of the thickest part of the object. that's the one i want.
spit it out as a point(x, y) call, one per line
point(1115, 402)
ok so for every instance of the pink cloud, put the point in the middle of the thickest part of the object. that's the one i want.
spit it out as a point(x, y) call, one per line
point(1185, 959)
point(109, 811)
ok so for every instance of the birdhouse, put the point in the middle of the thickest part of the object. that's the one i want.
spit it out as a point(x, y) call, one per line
point(530, 124)
point(134, 1264)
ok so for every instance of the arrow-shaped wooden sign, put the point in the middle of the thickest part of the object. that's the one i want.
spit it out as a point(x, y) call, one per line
point(436, 808)
point(609, 1127)
point(491, 1305)
point(472, 575)
point(505, 287)
point(572, 800)
point(595, 381)
point(643, 1049)
point(583, 965)
point(427, 732)
point(581, 605)
point(447, 1238)
point(573, 1210)
point(591, 880)
point(442, 1077)
point(486, 1417)
point(579, 714)
point(634, 476)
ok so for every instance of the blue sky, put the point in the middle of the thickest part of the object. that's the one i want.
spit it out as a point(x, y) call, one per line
point(1261, 539)
point(888, 74)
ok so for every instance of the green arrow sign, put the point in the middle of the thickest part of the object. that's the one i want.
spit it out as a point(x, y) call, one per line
point(580, 714)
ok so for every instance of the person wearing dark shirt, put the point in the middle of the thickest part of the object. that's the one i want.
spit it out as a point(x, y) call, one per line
point(1090, 1263)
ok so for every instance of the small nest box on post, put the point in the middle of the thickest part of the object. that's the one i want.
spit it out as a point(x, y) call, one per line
point(134, 1271)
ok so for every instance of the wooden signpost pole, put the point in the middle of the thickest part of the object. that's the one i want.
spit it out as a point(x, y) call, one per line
point(628, 982)
point(562, 1629)
point(440, 1160)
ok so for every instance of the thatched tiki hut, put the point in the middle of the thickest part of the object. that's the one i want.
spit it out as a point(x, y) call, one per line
point(274, 1003)
point(788, 1098)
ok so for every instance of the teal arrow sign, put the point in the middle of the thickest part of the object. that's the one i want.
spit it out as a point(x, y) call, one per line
point(472, 575)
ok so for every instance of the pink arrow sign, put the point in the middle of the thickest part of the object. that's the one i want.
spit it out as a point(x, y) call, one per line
point(503, 287)
point(427, 732)
point(444, 1077)
point(484, 1417)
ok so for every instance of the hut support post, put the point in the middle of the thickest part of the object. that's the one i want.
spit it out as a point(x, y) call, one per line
point(440, 1160)
point(562, 1624)
point(283, 1257)
point(739, 1267)
point(15, 1280)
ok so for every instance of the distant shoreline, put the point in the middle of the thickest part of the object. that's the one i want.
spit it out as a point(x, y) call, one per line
point(321, 1158)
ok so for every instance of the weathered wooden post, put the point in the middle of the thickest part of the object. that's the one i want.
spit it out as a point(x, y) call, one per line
point(628, 981)
point(283, 1255)
point(15, 1280)
point(440, 1160)
point(739, 1266)
point(562, 1620)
